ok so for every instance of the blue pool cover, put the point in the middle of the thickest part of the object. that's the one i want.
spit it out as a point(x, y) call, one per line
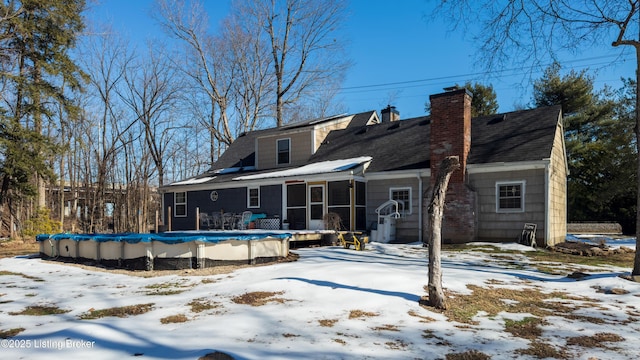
point(167, 237)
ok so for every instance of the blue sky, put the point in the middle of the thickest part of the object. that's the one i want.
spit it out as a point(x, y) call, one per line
point(400, 54)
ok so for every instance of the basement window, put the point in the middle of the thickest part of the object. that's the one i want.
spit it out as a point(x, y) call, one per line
point(180, 203)
point(510, 196)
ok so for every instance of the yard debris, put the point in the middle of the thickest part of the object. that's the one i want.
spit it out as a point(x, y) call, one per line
point(585, 249)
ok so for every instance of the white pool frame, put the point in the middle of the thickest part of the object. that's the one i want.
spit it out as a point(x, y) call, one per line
point(161, 255)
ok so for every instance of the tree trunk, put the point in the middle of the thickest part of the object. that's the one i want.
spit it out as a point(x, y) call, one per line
point(636, 260)
point(436, 209)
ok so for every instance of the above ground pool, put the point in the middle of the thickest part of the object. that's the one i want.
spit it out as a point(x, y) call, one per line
point(169, 250)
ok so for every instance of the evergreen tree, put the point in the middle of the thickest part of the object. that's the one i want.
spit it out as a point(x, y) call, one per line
point(36, 75)
point(484, 101)
point(600, 146)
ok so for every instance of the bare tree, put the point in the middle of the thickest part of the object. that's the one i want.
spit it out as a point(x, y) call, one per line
point(534, 32)
point(252, 83)
point(106, 60)
point(303, 41)
point(435, 212)
point(152, 88)
point(205, 65)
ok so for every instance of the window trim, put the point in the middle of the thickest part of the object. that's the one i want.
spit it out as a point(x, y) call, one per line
point(288, 140)
point(176, 203)
point(404, 211)
point(249, 206)
point(523, 186)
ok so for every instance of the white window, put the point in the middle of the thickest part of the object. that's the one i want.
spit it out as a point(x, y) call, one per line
point(510, 196)
point(253, 197)
point(180, 203)
point(403, 197)
point(284, 151)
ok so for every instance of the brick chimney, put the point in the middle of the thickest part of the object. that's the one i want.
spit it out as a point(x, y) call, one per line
point(451, 135)
point(450, 129)
point(390, 114)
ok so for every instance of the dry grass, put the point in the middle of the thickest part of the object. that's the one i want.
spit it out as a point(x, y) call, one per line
point(423, 319)
point(429, 334)
point(169, 288)
point(468, 355)
point(358, 314)
point(121, 312)
point(595, 340)
point(542, 350)
point(171, 319)
point(13, 248)
point(40, 310)
point(200, 305)
point(327, 322)
point(527, 328)
point(386, 327)
point(259, 298)
point(462, 308)
point(398, 344)
point(8, 273)
point(542, 255)
point(5, 334)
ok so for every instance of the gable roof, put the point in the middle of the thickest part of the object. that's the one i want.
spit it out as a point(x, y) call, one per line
point(241, 153)
point(397, 145)
point(525, 135)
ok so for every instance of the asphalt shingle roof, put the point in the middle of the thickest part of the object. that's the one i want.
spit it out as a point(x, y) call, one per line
point(515, 136)
point(524, 135)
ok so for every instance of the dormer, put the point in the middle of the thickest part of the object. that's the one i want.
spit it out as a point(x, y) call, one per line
point(293, 144)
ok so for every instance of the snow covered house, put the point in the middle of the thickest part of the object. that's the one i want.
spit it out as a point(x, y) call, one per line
point(514, 171)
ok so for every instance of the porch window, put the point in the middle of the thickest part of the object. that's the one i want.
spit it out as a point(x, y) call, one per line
point(361, 205)
point(180, 204)
point(253, 197)
point(284, 151)
point(339, 201)
point(403, 197)
point(510, 196)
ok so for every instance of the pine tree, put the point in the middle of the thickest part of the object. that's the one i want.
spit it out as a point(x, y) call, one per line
point(600, 146)
point(484, 101)
point(37, 73)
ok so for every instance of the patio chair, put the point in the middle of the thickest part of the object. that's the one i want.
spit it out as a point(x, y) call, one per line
point(228, 221)
point(216, 220)
point(245, 219)
point(205, 221)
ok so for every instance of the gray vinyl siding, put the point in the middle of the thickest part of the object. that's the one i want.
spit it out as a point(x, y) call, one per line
point(407, 228)
point(501, 226)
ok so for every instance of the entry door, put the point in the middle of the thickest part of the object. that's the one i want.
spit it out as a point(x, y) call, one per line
point(316, 206)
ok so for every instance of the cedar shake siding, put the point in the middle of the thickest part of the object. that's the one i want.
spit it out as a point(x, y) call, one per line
point(497, 225)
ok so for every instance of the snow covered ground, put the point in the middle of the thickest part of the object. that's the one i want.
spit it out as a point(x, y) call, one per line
point(332, 303)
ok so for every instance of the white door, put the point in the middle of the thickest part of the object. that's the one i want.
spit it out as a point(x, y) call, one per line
point(316, 207)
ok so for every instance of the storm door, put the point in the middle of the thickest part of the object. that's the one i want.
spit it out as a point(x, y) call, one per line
point(316, 206)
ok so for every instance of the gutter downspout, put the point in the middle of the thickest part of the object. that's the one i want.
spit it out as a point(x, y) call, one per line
point(419, 206)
